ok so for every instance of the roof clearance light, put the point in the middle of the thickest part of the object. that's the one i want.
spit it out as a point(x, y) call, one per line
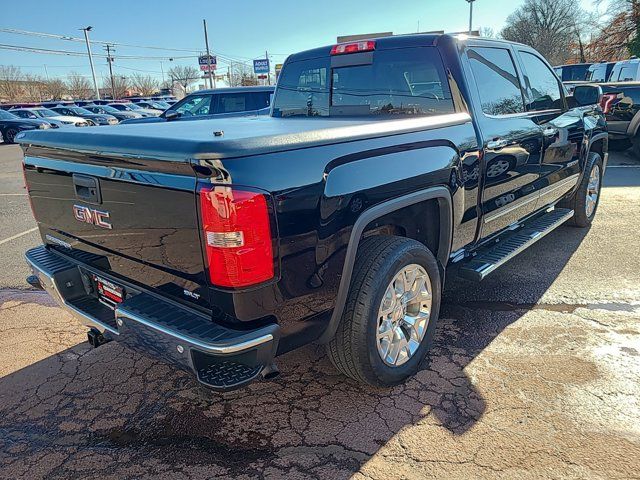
point(355, 47)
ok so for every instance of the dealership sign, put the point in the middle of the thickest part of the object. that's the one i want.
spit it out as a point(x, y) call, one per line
point(261, 65)
point(207, 60)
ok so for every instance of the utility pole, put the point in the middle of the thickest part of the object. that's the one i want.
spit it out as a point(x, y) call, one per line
point(86, 31)
point(110, 61)
point(266, 55)
point(206, 41)
point(470, 2)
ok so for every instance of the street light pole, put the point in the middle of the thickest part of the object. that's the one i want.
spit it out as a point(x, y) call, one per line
point(206, 41)
point(110, 62)
point(86, 31)
point(470, 14)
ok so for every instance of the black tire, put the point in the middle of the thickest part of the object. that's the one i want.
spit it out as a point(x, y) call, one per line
point(353, 349)
point(10, 135)
point(577, 201)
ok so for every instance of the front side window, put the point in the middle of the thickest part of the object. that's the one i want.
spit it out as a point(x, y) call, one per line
point(403, 81)
point(497, 80)
point(194, 105)
point(541, 83)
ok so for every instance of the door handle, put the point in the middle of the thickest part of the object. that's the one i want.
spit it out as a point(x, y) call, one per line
point(497, 144)
point(550, 132)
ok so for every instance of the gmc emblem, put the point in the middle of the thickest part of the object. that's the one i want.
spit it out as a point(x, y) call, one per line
point(91, 215)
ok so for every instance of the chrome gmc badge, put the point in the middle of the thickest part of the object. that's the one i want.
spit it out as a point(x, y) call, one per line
point(91, 215)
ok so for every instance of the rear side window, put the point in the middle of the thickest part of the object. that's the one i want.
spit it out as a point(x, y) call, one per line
point(497, 80)
point(404, 81)
point(542, 85)
point(234, 102)
point(628, 72)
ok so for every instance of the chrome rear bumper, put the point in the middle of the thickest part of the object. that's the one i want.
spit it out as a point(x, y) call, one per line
point(220, 357)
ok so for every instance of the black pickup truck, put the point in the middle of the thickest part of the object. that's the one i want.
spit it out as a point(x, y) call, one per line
point(218, 245)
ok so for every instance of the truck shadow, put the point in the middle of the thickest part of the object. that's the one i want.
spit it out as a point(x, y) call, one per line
point(133, 412)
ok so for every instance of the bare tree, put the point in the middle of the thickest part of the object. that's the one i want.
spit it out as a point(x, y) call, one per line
point(55, 89)
point(79, 86)
point(10, 86)
point(145, 85)
point(620, 36)
point(487, 32)
point(184, 76)
point(121, 85)
point(33, 88)
point(241, 75)
point(553, 27)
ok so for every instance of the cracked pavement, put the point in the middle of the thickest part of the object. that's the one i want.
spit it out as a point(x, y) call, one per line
point(535, 373)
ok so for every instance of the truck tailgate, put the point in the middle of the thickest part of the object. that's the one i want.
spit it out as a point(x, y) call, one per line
point(133, 218)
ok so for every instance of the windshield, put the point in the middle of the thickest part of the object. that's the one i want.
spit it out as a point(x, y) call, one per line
point(132, 106)
point(405, 81)
point(104, 109)
point(7, 116)
point(80, 111)
point(45, 112)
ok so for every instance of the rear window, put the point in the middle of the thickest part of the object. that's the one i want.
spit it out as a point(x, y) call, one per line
point(407, 81)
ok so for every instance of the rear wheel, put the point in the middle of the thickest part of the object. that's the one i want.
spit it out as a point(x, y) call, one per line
point(391, 312)
point(584, 201)
point(10, 135)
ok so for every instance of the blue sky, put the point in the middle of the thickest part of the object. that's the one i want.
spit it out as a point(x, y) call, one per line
point(240, 30)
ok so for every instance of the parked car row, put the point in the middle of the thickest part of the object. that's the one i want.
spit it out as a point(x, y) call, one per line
point(217, 103)
point(622, 71)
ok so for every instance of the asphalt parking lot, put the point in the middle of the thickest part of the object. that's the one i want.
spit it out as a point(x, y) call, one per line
point(535, 374)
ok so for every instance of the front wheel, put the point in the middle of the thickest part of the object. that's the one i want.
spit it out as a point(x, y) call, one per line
point(10, 135)
point(391, 312)
point(585, 200)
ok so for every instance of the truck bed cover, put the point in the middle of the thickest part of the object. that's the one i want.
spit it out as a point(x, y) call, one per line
point(241, 136)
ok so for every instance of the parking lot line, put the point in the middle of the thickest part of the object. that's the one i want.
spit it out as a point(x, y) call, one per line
point(11, 194)
point(18, 235)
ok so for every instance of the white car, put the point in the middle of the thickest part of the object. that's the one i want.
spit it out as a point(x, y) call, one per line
point(132, 107)
point(46, 114)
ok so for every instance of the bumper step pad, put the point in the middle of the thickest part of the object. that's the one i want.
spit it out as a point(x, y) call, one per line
point(491, 257)
point(227, 375)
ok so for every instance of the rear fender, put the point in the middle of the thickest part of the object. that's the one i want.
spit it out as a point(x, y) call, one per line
point(439, 193)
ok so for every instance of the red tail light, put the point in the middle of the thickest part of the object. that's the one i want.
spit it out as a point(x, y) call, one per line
point(607, 101)
point(363, 46)
point(238, 240)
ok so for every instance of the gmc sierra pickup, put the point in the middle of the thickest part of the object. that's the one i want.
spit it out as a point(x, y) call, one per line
point(217, 245)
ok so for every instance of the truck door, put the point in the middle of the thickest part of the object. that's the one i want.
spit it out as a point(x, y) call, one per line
point(512, 141)
point(562, 129)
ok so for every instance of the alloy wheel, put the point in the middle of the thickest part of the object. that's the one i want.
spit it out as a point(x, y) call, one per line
point(404, 315)
point(593, 191)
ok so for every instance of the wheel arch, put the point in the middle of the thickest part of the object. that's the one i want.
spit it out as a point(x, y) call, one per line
point(440, 194)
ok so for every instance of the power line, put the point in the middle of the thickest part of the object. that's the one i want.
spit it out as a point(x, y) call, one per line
point(233, 58)
point(24, 48)
point(77, 39)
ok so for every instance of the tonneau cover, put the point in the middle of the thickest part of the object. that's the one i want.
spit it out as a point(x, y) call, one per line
point(240, 136)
